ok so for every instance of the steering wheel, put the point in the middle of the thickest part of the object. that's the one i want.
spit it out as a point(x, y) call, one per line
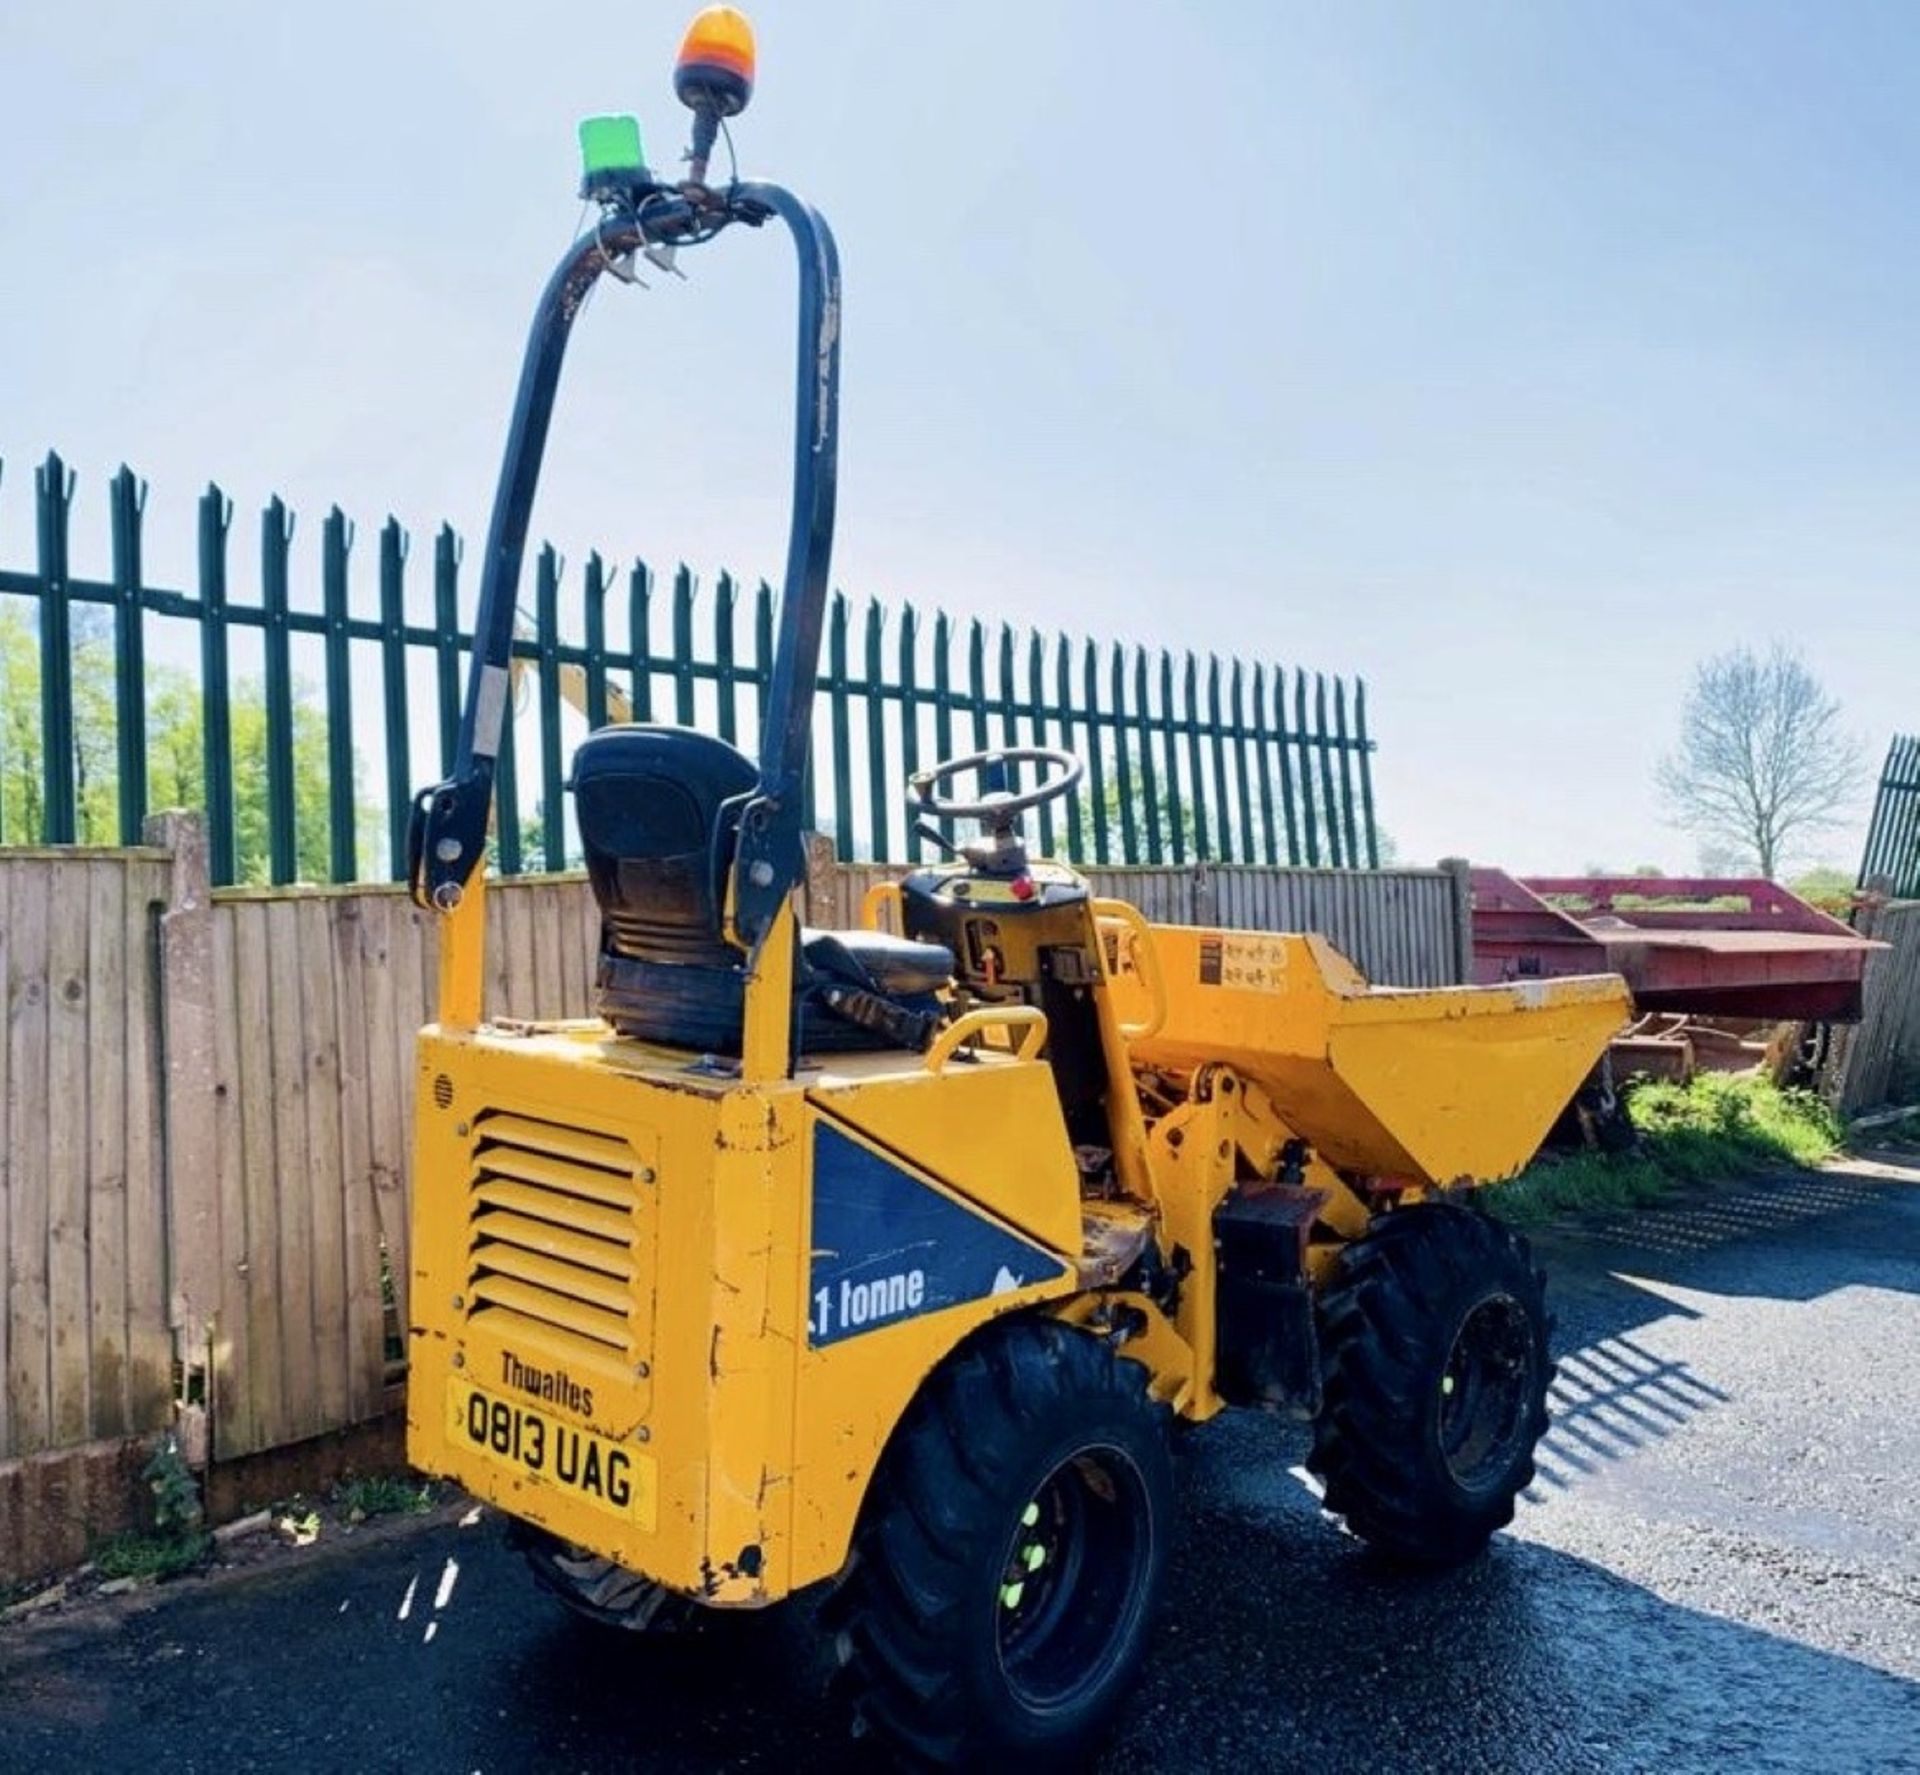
point(997, 807)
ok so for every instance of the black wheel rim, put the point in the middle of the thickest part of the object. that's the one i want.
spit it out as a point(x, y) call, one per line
point(1486, 1393)
point(1072, 1582)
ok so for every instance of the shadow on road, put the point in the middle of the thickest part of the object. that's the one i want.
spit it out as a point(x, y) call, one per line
point(1712, 1219)
point(1611, 1399)
point(1613, 1395)
point(1528, 1659)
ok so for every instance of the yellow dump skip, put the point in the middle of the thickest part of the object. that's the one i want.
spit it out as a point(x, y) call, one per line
point(1439, 1085)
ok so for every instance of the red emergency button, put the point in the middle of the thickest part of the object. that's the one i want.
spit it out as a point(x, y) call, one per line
point(1023, 888)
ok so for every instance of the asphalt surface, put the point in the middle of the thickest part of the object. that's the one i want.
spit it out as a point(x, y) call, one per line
point(1719, 1570)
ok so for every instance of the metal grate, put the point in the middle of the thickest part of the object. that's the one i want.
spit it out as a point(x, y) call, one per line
point(552, 1234)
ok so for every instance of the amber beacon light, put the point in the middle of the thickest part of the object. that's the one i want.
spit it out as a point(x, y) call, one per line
point(713, 76)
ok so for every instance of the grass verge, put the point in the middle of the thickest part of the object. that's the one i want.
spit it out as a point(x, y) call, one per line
point(150, 1556)
point(1715, 1128)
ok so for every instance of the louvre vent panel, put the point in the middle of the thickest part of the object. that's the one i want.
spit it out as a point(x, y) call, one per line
point(561, 1311)
point(555, 1207)
point(606, 1257)
point(569, 1178)
point(552, 1275)
point(551, 1231)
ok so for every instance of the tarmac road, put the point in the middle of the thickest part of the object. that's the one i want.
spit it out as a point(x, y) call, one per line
point(1720, 1569)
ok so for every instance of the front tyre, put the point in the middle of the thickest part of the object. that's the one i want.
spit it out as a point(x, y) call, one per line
point(1433, 1338)
point(1010, 1555)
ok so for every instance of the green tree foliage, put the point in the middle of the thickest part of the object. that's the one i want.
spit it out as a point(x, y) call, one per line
point(175, 776)
point(22, 796)
point(1115, 804)
point(1826, 887)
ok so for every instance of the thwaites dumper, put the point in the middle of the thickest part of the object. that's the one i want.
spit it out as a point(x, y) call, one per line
point(883, 1259)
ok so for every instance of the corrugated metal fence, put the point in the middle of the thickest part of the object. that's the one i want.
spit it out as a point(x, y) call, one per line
point(1401, 927)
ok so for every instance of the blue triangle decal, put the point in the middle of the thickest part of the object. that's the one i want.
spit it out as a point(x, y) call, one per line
point(888, 1247)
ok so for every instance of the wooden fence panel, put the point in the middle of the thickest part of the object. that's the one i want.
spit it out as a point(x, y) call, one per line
point(104, 1181)
point(312, 1155)
point(259, 1241)
point(1165, 896)
point(1397, 926)
point(234, 1353)
point(69, 1320)
point(29, 1370)
point(319, 1059)
point(365, 1369)
point(1870, 1061)
point(389, 959)
point(296, 1182)
point(336, 983)
point(85, 1349)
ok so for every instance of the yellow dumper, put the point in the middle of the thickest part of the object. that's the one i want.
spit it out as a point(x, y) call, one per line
point(881, 1261)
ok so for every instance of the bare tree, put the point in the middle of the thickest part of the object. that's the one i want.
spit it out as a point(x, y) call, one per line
point(1763, 760)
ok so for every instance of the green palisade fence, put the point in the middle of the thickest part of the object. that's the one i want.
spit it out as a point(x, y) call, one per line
point(1893, 836)
point(1189, 759)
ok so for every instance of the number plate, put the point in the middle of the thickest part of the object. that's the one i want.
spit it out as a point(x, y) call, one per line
point(610, 1475)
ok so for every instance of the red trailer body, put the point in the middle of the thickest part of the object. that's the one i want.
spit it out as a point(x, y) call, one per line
point(1713, 948)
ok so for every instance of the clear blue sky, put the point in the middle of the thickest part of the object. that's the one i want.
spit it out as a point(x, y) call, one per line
point(1512, 356)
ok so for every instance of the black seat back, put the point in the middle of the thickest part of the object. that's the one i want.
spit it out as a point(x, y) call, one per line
point(658, 810)
point(649, 801)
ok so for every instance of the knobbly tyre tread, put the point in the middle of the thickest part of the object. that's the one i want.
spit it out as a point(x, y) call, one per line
point(920, 1588)
point(599, 1591)
point(1387, 1319)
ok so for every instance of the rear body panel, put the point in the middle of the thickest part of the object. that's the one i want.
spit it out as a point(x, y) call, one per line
point(674, 1318)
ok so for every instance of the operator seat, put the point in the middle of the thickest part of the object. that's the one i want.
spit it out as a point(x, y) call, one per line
point(659, 812)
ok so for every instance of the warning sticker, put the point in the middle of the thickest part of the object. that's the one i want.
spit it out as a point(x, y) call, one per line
point(1249, 960)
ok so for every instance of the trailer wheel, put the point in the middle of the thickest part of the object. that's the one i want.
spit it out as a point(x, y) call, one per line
point(600, 1591)
point(1010, 1555)
point(1433, 1333)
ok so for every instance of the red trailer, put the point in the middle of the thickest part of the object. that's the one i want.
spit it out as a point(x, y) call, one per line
point(1709, 947)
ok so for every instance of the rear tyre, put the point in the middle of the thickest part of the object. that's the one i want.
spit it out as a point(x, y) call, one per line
point(600, 1591)
point(1433, 1336)
point(1010, 1555)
